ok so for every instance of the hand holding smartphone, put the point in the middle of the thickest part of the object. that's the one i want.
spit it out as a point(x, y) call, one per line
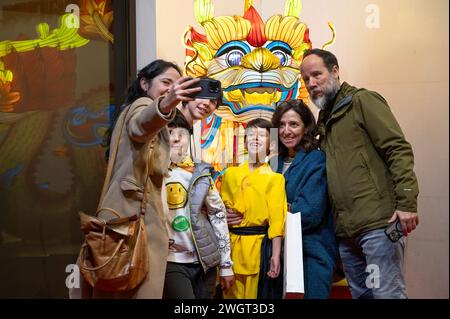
point(394, 231)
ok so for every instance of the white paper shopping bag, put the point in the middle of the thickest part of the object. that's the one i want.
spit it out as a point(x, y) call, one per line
point(293, 255)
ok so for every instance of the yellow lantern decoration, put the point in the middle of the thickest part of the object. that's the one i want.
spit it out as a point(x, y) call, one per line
point(258, 64)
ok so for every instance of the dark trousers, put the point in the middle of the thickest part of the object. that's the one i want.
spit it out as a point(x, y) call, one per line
point(188, 281)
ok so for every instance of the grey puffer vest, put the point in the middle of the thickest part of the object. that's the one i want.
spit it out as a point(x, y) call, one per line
point(205, 241)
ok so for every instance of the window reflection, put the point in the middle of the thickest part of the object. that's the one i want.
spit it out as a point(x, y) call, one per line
point(55, 98)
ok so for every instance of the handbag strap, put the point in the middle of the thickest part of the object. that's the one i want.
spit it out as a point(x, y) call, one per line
point(108, 210)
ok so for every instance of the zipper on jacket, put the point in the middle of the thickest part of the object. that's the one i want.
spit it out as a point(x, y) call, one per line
point(341, 104)
point(189, 218)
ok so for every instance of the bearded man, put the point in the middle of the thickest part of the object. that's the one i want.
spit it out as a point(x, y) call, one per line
point(370, 176)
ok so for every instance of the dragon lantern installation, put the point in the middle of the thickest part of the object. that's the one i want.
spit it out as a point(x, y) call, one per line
point(258, 65)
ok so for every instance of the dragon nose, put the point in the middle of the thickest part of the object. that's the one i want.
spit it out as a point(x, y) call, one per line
point(261, 60)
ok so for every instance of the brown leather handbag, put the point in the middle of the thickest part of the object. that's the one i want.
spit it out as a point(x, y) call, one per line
point(114, 256)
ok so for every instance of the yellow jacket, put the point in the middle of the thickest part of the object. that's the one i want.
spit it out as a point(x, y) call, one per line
point(260, 196)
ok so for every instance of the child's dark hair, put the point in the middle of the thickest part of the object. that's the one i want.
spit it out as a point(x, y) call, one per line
point(180, 121)
point(261, 123)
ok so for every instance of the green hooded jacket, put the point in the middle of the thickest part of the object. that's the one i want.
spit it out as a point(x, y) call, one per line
point(369, 162)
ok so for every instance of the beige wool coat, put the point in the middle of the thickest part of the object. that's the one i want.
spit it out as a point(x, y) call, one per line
point(143, 123)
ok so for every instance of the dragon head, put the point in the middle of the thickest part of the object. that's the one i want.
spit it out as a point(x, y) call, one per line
point(258, 63)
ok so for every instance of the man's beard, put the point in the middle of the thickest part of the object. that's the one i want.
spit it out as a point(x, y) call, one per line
point(329, 94)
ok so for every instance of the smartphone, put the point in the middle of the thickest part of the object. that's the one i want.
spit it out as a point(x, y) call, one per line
point(394, 231)
point(211, 89)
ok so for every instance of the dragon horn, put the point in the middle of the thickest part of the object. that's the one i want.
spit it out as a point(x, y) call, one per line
point(293, 8)
point(333, 36)
point(247, 5)
point(203, 11)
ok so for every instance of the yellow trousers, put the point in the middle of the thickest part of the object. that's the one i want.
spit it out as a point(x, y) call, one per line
point(245, 287)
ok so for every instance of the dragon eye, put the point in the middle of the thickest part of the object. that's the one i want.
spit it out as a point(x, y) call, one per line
point(234, 57)
point(282, 56)
point(282, 51)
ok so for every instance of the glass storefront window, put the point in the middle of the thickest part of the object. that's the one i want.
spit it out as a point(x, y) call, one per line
point(56, 92)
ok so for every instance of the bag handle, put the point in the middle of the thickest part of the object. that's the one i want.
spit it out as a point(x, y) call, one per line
point(82, 252)
point(107, 209)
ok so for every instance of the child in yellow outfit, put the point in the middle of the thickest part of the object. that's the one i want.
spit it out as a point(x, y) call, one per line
point(258, 193)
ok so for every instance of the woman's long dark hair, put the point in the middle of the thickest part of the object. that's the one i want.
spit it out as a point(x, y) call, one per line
point(135, 91)
point(308, 141)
